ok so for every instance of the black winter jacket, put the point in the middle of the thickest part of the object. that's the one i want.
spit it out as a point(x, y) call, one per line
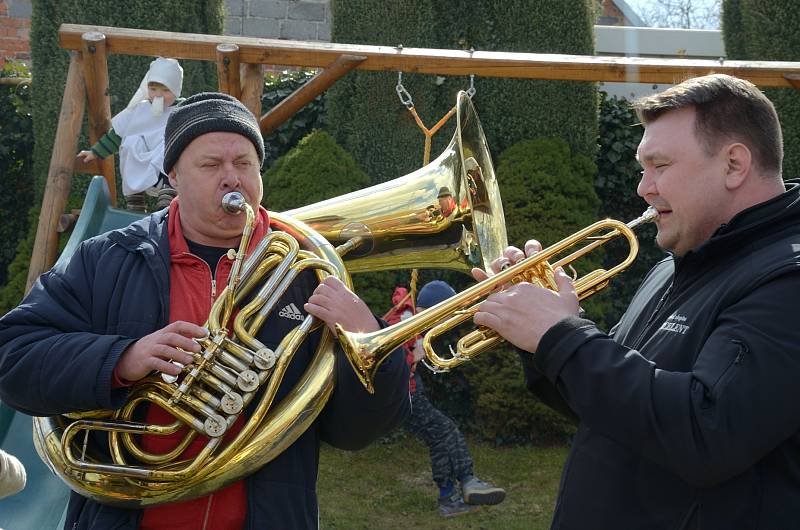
point(689, 416)
point(60, 346)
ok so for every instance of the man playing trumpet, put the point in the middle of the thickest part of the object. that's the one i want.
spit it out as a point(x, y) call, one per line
point(687, 409)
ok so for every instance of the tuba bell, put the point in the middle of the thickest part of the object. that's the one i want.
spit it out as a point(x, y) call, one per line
point(447, 214)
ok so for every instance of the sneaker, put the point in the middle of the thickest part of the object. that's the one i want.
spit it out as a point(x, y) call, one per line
point(477, 491)
point(454, 505)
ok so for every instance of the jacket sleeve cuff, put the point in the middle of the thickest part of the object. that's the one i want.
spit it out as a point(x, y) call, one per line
point(109, 396)
point(560, 342)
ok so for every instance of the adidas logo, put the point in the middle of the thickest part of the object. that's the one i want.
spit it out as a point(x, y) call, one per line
point(291, 311)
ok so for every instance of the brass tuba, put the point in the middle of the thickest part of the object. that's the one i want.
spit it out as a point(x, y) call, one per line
point(447, 214)
point(367, 351)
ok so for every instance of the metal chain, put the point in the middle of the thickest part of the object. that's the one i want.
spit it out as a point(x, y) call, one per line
point(405, 97)
point(402, 93)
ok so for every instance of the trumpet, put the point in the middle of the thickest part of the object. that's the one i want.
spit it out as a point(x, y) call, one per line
point(366, 351)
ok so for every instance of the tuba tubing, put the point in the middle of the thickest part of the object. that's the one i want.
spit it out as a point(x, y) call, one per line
point(124, 481)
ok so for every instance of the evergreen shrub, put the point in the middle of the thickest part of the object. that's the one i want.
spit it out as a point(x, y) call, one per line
point(367, 119)
point(616, 181)
point(277, 87)
point(365, 115)
point(766, 30)
point(16, 162)
point(315, 170)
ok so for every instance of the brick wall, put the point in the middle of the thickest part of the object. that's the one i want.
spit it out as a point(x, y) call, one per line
point(15, 27)
point(308, 20)
point(612, 15)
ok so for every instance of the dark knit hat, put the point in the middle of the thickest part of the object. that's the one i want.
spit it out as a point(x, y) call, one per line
point(204, 113)
point(434, 292)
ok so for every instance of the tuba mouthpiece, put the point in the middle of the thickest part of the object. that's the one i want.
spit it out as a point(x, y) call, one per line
point(233, 202)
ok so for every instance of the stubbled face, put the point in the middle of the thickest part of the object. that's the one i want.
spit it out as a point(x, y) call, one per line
point(683, 182)
point(212, 165)
point(155, 90)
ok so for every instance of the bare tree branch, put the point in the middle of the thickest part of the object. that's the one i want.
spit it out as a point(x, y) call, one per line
point(686, 14)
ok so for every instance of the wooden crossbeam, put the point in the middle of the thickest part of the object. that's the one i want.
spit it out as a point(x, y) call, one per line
point(430, 61)
point(298, 99)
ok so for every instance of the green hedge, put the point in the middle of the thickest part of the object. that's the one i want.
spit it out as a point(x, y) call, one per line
point(766, 30)
point(616, 181)
point(367, 119)
point(125, 73)
point(315, 170)
point(277, 87)
point(16, 163)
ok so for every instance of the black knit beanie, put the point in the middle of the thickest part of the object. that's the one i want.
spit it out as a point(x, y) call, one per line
point(204, 113)
point(434, 292)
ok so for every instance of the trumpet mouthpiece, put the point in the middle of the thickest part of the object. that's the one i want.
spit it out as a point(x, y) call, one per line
point(233, 202)
point(649, 215)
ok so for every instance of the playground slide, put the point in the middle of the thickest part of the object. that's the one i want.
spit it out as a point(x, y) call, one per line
point(41, 505)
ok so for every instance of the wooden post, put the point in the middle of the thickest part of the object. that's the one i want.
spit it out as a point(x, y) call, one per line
point(95, 75)
point(306, 93)
point(59, 176)
point(228, 69)
point(252, 76)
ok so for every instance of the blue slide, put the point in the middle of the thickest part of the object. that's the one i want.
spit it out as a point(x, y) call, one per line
point(42, 504)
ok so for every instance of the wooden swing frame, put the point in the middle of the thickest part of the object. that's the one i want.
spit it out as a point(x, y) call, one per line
point(240, 62)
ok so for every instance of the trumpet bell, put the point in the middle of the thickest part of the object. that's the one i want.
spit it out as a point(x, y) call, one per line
point(447, 214)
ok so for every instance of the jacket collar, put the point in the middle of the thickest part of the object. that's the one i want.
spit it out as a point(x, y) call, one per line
point(177, 240)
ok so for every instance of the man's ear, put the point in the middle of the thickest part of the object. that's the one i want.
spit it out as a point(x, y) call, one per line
point(739, 161)
point(173, 178)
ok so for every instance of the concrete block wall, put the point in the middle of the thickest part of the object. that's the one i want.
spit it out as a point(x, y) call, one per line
point(15, 27)
point(308, 20)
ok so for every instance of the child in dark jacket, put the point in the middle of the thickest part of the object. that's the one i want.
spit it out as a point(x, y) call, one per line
point(451, 463)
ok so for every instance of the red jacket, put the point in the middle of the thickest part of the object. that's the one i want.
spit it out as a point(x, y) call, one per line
point(403, 302)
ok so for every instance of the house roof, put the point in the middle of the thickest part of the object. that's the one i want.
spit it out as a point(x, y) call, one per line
point(633, 17)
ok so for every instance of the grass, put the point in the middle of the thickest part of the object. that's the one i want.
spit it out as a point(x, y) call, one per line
point(388, 485)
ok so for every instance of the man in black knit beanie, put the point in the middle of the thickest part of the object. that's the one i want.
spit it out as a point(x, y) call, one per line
point(133, 301)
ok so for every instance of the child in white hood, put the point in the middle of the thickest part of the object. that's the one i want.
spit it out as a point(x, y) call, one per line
point(138, 134)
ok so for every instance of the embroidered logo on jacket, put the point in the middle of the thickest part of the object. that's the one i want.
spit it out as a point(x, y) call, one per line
point(291, 311)
point(674, 324)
